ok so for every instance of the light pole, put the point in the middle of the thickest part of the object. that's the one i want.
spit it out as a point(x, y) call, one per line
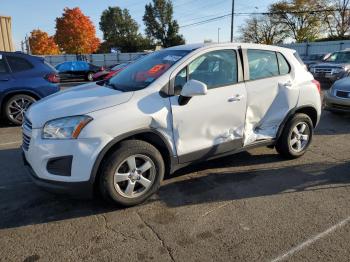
point(232, 19)
point(219, 34)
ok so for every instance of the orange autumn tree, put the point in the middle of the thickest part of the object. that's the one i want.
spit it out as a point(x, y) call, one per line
point(75, 33)
point(42, 44)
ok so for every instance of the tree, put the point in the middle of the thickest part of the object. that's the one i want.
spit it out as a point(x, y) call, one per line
point(338, 19)
point(160, 25)
point(75, 33)
point(262, 30)
point(296, 15)
point(42, 44)
point(121, 30)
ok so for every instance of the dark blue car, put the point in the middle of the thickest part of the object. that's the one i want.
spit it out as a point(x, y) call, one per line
point(24, 79)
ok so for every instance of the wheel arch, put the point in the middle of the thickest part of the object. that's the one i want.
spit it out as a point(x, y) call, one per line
point(10, 94)
point(150, 136)
point(307, 110)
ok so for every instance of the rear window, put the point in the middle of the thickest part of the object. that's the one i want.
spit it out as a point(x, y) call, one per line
point(18, 64)
point(3, 68)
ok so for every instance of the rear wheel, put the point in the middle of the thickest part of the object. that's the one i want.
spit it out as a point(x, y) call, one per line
point(16, 106)
point(296, 137)
point(132, 173)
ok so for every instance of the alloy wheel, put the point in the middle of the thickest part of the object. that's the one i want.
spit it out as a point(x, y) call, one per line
point(300, 136)
point(134, 176)
point(18, 107)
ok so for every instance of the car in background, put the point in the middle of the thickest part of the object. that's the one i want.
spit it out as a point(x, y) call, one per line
point(337, 98)
point(314, 59)
point(100, 75)
point(77, 70)
point(115, 70)
point(335, 67)
point(24, 79)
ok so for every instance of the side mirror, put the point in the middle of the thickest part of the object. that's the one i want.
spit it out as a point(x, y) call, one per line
point(194, 88)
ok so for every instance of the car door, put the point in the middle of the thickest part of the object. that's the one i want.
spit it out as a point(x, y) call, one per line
point(211, 124)
point(271, 93)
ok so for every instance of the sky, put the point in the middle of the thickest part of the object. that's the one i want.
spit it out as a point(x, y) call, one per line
point(33, 14)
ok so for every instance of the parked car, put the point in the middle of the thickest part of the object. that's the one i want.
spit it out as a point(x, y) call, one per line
point(115, 70)
point(172, 108)
point(314, 59)
point(335, 67)
point(337, 98)
point(108, 72)
point(77, 70)
point(24, 79)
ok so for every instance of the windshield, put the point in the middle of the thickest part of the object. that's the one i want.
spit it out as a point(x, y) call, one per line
point(339, 57)
point(145, 71)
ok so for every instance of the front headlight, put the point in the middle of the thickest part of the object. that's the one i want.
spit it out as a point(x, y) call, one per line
point(336, 71)
point(65, 128)
point(312, 70)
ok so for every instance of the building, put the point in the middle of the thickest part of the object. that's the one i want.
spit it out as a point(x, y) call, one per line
point(6, 43)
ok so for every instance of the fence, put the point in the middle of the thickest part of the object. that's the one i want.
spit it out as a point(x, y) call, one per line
point(96, 59)
point(314, 48)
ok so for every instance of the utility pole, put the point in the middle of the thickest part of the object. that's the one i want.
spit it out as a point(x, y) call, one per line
point(219, 34)
point(232, 19)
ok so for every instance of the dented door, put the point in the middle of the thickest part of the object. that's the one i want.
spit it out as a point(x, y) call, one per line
point(213, 123)
point(271, 94)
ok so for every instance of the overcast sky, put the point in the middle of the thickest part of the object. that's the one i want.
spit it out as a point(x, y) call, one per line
point(32, 14)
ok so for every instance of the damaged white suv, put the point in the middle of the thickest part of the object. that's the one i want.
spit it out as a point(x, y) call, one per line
point(171, 108)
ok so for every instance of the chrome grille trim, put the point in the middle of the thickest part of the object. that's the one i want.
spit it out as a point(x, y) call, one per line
point(323, 70)
point(26, 133)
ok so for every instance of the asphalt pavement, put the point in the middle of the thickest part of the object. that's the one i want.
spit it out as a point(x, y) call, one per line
point(254, 206)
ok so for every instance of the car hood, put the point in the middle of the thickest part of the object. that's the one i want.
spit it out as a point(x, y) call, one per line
point(330, 65)
point(342, 84)
point(75, 101)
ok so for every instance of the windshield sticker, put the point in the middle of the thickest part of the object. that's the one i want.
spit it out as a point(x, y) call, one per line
point(172, 58)
point(156, 69)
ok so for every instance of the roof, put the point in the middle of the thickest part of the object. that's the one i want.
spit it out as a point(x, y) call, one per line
point(243, 45)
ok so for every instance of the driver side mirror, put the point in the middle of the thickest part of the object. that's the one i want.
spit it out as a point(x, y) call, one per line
point(190, 89)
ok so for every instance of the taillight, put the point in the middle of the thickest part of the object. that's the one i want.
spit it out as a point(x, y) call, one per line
point(102, 68)
point(53, 78)
point(318, 85)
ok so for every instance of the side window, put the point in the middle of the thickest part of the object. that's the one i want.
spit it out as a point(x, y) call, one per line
point(3, 68)
point(217, 68)
point(283, 65)
point(18, 64)
point(262, 64)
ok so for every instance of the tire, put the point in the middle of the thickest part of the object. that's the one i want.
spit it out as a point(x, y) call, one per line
point(115, 186)
point(293, 142)
point(16, 106)
point(90, 76)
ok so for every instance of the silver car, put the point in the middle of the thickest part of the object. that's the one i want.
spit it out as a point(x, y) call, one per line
point(337, 98)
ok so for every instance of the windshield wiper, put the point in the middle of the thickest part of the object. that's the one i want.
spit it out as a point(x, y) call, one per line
point(113, 86)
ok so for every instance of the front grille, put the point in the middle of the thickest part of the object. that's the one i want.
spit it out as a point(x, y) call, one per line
point(26, 133)
point(322, 70)
point(343, 94)
point(341, 107)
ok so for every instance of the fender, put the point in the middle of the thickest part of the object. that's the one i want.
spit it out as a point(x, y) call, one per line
point(116, 140)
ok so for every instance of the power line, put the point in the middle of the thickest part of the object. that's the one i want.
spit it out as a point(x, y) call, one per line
point(260, 13)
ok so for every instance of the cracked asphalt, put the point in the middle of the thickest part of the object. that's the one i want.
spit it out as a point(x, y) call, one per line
point(254, 206)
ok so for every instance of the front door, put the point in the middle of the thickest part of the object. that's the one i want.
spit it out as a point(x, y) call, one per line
point(211, 124)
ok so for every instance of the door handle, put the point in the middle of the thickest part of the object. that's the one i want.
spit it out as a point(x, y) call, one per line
point(236, 98)
point(288, 84)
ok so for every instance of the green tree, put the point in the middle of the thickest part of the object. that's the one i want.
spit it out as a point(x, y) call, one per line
point(262, 30)
point(121, 30)
point(338, 19)
point(160, 25)
point(300, 22)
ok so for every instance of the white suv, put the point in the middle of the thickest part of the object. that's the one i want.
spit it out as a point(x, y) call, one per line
point(171, 108)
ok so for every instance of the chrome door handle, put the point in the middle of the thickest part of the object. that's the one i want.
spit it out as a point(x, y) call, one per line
point(288, 84)
point(236, 98)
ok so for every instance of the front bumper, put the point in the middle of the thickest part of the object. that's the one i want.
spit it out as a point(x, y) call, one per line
point(76, 189)
point(334, 103)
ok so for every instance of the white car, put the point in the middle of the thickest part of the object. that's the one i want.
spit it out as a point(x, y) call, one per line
point(169, 109)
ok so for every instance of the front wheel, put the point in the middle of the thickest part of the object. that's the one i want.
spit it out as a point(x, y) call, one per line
point(16, 106)
point(296, 137)
point(132, 173)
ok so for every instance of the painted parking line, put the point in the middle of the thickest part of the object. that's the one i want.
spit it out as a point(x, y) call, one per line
point(11, 143)
point(311, 241)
